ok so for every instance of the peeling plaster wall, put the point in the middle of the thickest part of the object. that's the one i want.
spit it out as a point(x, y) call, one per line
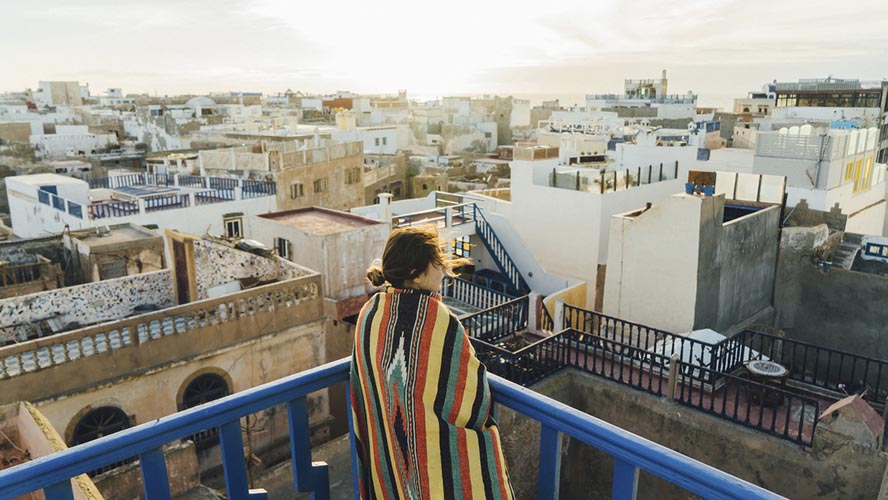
point(217, 264)
point(86, 304)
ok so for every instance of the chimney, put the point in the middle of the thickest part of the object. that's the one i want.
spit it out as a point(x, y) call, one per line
point(384, 208)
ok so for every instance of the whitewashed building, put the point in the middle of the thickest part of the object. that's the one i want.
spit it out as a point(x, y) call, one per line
point(45, 204)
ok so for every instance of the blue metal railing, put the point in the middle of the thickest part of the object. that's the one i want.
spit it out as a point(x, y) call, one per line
point(98, 182)
point(631, 453)
point(113, 209)
point(214, 196)
point(223, 183)
point(191, 181)
point(165, 202)
point(255, 189)
point(497, 250)
point(127, 180)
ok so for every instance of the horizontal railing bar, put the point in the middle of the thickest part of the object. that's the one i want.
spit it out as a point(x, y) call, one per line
point(45, 471)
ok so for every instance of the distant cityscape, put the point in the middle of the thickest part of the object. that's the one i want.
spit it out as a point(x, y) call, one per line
point(709, 279)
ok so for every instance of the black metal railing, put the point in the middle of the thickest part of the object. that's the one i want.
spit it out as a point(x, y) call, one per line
point(764, 407)
point(829, 369)
point(768, 408)
point(614, 333)
point(499, 322)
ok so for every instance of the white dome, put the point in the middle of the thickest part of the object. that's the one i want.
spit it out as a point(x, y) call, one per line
point(200, 102)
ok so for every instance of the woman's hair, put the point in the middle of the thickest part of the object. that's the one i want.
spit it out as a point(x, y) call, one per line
point(408, 253)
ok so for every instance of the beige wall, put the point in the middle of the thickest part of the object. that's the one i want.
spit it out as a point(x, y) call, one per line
point(652, 264)
point(339, 195)
point(36, 435)
point(15, 132)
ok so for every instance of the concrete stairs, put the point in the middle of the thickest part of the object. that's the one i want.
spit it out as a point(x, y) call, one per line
point(847, 251)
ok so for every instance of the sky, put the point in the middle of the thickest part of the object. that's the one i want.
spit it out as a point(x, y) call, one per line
point(720, 49)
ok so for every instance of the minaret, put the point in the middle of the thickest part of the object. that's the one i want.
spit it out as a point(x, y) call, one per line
point(663, 92)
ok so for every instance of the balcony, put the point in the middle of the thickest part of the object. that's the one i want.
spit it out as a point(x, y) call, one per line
point(53, 474)
point(134, 194)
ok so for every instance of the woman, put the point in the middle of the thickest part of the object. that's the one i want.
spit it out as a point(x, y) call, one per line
point(420, 400)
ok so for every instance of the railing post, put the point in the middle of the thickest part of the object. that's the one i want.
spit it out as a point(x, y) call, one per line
point(140, 204)
point(59, 491)
point(673, 377)
point(233, 463)
point(307, 475)
point(625, 485)
point(549, 473)
point(155, 480)
point(448, 214)
point(559, 316)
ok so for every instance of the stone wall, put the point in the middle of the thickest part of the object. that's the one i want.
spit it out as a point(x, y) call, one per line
point(736, 283)
point(85, 304)
point(848, 471)
point(842, 310)
point(217, 264)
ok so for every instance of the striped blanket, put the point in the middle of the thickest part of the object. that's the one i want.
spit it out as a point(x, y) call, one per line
point(421, 404)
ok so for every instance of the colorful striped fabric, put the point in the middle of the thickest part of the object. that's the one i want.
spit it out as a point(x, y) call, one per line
point(421, 404)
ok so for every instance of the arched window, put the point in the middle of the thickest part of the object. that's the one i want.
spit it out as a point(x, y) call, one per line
point(203, 389)
point(98, 423)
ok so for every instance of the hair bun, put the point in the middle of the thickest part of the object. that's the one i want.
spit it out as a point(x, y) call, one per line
point(375, 276)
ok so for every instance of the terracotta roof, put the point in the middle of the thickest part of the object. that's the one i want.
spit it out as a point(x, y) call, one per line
point(870, 417)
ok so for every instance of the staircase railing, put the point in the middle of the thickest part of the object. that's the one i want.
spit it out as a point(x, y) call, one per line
point(499, 253)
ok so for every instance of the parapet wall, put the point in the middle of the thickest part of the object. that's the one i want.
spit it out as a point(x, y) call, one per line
point(85, 304)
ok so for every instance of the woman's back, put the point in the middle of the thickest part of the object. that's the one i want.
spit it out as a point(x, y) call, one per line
point(421, 404)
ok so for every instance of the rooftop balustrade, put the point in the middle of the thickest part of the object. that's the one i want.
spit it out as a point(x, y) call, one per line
point(85, 353)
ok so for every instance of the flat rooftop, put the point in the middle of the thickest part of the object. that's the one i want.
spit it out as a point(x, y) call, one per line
point(118, 234)
point(320, 220)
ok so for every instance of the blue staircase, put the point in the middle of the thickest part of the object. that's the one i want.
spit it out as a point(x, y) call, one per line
point(497, 250)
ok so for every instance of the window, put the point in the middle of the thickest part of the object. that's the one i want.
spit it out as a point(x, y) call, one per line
point(462, 247)
point(857, 170)
point(97, 423)
point(385, 141)
point(203, 389)
point(352, 175)
point(282, 248)
point(868, 173)
point(296, 191)
point(320, 185)
point(848, 170)
point(377, 141)
point(234, 227)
